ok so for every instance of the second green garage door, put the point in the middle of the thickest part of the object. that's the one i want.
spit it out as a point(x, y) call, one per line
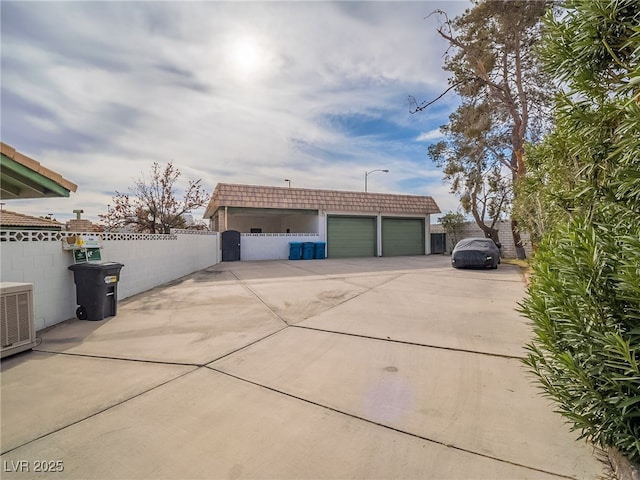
point(351, 236)
point(402, 236)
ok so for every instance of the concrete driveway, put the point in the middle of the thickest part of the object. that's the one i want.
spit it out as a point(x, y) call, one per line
point(357, 368)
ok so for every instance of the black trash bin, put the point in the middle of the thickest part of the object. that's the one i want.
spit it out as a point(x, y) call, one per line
point(96, 289)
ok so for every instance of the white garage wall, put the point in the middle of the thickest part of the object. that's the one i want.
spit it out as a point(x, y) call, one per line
point(275, 246)
point(274, 223)
point(299, 223)
point(245, 223)
point(149, 260)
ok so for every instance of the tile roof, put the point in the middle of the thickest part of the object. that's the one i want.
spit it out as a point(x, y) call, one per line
point(34, 165)
point(14, 219)
point(256, 196)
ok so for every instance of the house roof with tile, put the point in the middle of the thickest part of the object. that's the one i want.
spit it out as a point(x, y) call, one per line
point(14, 220)
point(256, 196)
point(24, 177)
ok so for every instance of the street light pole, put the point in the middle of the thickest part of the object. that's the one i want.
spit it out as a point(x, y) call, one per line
point(287, 180)
point(366, 174)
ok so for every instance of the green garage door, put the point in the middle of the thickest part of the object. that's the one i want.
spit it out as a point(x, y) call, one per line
point(351, 236)
point(402, 236)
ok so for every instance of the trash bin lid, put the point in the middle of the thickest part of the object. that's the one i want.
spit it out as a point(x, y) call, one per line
point(95, 265)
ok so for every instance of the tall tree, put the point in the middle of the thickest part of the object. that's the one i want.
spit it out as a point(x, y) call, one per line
point(471, 160)
point(504, 104)
point(152, 205)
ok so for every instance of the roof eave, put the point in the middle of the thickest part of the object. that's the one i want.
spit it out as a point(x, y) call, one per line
point(24, 177)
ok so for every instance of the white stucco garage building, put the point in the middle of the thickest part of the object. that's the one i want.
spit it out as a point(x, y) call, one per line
point(353, 224)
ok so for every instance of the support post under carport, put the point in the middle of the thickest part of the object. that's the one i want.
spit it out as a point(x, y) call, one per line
point(379, 235)
point(427, 235)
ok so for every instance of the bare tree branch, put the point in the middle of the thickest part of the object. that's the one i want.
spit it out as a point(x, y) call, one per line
point(152, 206)
point(424, 105)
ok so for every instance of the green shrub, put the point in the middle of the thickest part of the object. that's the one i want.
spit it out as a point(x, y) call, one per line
point(584, 297)
point(584, 303)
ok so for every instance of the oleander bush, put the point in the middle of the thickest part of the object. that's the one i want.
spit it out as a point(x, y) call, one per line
point(583, 300)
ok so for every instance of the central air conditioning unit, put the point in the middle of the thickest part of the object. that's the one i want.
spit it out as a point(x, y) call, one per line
point(17, 331)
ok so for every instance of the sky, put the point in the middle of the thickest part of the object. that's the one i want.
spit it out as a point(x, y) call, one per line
point(230, 92)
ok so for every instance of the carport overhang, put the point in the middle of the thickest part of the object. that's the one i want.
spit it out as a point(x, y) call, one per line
point(228, 216)
point(23, 177)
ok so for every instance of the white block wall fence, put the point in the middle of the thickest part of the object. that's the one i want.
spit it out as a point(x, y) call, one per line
point(471, 229)
point(149, 260)
point(271, 246)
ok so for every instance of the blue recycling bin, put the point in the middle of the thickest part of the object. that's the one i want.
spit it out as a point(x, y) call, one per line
point(319, 250)
point(307, 251)
point(295, 250)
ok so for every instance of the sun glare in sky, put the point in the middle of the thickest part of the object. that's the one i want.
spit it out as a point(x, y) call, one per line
point(247, 57)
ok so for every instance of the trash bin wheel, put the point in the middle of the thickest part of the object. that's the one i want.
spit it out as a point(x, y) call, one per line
point(82, 313)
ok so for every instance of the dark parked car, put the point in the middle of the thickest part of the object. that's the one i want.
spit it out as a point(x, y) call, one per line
point(476, 252)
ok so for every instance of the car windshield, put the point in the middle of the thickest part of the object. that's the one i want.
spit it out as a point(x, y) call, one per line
point(476, 242)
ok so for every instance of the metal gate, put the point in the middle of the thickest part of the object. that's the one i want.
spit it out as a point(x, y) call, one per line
point(230, 246)
point(438, 242)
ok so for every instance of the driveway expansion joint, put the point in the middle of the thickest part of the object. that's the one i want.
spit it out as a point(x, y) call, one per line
point(107, 357)
point(96, 413)
point(416, 344)
point(388, 427)
point(245, 346)
point(250, 290)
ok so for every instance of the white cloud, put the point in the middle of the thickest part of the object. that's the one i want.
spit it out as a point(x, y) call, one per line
point(434, 134)
point(99, 90)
